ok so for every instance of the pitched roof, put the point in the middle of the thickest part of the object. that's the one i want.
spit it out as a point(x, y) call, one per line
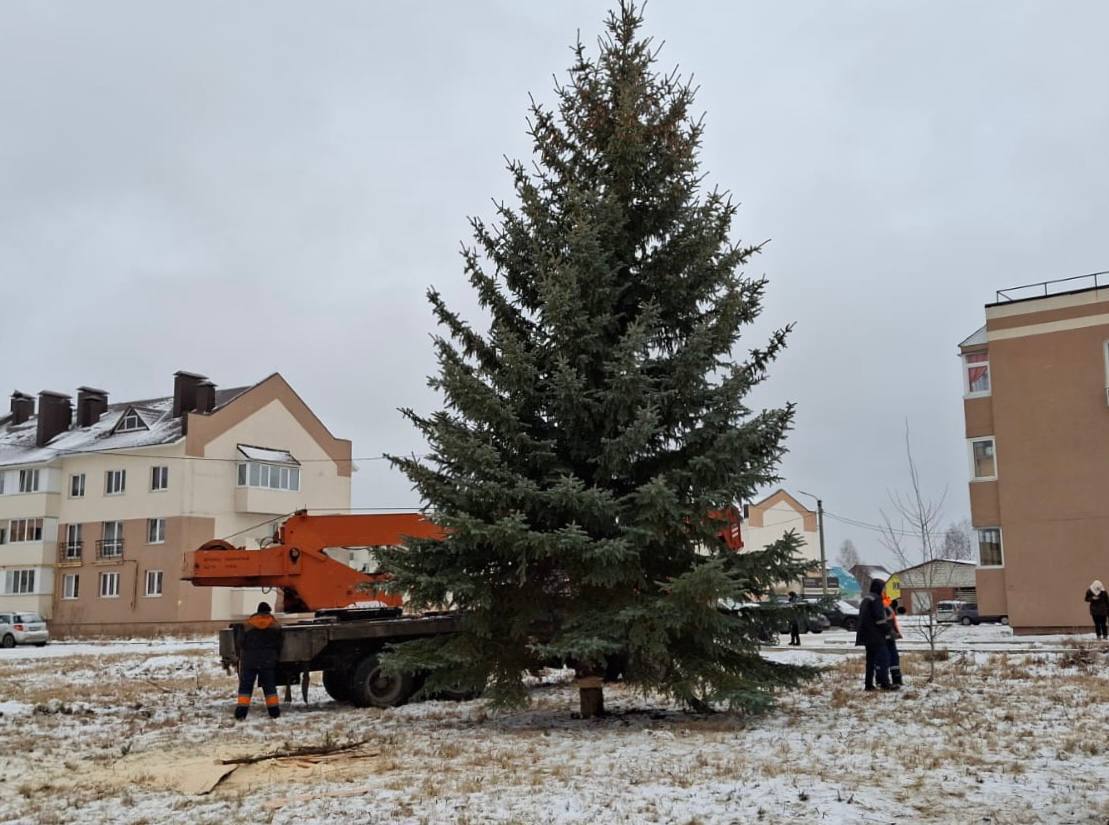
point(975, 339)
point(781, 495)
point(17, 441)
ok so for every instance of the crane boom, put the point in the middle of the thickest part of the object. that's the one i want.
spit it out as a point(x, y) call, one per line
point(297, 564)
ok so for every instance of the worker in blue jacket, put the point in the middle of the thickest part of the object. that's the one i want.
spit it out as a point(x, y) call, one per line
point(873, 633)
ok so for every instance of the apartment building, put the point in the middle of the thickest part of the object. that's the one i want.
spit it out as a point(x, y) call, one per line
point(766, 521)
point(1036, 407)
point(99, 499)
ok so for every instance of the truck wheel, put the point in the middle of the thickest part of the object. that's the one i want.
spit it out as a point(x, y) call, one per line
point(851, 624)
point(372, 687)
point(1004, 620)
point(965, 621)
point(337, 684)
point(9, 640)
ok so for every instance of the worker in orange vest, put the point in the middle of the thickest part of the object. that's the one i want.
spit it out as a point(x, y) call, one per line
point(891, 607)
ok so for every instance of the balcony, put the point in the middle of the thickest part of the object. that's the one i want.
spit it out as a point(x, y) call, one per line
point(70, 552)
point(109, 549)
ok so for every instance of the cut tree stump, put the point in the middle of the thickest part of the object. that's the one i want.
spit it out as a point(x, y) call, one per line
point(591, 696)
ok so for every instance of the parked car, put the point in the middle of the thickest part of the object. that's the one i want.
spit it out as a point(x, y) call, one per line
point(965, 613)
point(23, 629)
point(814, 622)
point(838, 612)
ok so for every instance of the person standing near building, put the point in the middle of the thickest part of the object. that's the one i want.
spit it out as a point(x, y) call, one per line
point(872, 634)
point(1099, 608)
point(259, 647)
point(794, 625)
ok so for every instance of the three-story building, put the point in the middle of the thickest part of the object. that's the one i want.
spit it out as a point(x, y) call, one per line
point(1036, 407)
point(100, 500)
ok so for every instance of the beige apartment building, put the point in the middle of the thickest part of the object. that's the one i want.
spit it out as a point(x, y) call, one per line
point(1036, 404)
point(767, 520)
point(99, 500)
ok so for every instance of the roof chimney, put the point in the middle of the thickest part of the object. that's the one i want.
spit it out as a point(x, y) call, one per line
point(184, 391)
point(205, 397)
point(55, 414)
point(23, 407)
point(91, 404)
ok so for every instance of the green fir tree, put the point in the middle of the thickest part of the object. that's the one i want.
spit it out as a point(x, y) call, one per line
point(596, 432)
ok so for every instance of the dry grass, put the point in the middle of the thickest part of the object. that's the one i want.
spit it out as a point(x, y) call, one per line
point(981, 721)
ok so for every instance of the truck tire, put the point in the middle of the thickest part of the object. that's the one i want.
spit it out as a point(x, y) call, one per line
point(372, 687)
point(337, 684)
point(966, 621)
point(9, 640)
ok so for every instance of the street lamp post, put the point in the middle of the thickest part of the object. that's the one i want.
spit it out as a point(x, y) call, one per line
point(823, 558)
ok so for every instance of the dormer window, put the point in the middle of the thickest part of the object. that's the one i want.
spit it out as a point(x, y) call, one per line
point(130, 421)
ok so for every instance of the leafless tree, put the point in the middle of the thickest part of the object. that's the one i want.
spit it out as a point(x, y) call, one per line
point(910, 531)
point(848, 556)
point(958, 543)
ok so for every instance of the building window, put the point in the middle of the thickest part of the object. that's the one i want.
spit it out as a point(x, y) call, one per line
point(155, 531)
point(72, 542)
point(77, 486)
point(17, 582)
point(270, 476)
point(159, 478)
point(28, 481)
point(25, 529)
point(115, 482)
point(71, 585)
point(154, 582)
point(111, 542)
point(976, 367)
point(130, 422)
point(983, 459)
point(109, 585)
point(989, 547)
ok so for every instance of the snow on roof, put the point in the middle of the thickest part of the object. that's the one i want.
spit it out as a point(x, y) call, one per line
point(17, 442)
point(267, 454)
point(975, 339)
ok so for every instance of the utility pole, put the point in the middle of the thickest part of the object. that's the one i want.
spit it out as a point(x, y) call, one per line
point(823, 558)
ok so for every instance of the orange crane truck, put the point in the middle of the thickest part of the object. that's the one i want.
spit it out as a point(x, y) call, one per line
point(354, 619)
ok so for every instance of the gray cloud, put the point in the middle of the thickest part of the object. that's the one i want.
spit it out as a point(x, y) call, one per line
point(239, 188)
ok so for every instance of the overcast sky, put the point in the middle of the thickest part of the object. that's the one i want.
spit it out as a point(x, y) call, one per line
point(238, 188)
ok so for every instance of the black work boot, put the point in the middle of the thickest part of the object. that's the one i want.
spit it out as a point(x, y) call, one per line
point(240, 713)
point(274, 711)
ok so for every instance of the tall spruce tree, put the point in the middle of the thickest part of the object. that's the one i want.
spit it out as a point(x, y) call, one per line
point(596, 434)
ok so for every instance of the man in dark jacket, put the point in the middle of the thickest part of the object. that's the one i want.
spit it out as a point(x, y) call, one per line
point(259, 646)
point(873, 633)
point(794, 625)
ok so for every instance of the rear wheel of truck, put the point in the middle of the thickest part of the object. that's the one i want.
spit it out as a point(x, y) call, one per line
point(337, 684)
point(9, 640)
point(370, 686)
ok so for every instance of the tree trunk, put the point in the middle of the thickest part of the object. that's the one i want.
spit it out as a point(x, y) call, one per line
point(591, 696)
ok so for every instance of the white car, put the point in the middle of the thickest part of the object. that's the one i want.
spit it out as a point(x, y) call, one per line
point(23, 629)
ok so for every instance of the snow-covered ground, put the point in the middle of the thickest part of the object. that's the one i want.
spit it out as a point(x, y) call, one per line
point(132, 732)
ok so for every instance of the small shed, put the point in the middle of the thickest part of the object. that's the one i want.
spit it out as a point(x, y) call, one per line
point(935, 581)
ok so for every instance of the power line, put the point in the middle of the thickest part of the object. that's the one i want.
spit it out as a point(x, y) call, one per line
point(62, 454)
point(878, 528)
